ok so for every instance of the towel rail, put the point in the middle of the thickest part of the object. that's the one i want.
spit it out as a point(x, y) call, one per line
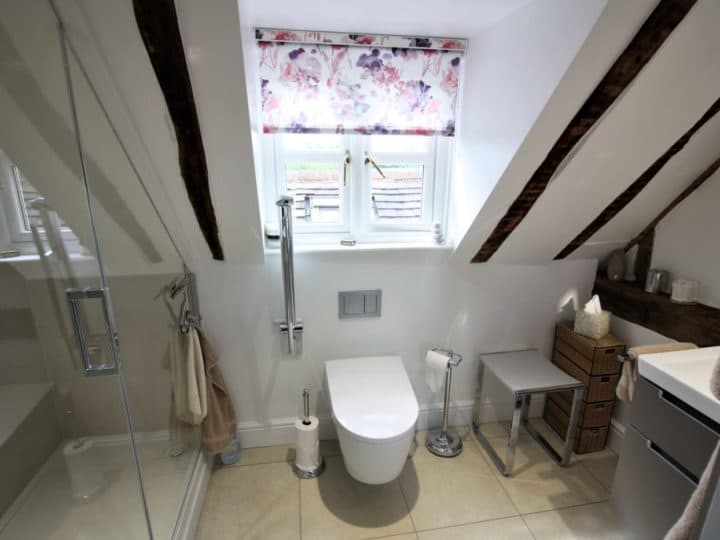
point(292, 326)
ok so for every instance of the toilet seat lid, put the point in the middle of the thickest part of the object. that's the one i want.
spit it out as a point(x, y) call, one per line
point(372, 397)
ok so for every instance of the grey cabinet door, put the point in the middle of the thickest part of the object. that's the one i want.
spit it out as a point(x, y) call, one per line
point(649, 493)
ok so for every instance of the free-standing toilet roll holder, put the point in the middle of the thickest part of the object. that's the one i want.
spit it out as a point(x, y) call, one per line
point(445, 442)
point(320, 467)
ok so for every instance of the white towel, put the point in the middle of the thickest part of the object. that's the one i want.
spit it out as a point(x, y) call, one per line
point(188, 378)
point(435, 368)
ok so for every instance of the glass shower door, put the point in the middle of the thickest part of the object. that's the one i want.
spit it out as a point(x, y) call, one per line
point(140, 262)
point(68, 467)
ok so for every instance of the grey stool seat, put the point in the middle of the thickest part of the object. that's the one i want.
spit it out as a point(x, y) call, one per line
point(525, 373)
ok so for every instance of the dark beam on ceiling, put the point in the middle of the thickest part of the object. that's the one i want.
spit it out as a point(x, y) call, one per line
point(652, 34)
point(699, 181)
point(158, 25)
point(634, 189)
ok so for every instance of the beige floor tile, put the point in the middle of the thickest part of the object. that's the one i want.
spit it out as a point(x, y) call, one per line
point(254, 502)
point(590, 522)
point(282, 453)
point(498, 529)
point(411, 536)
point(602, 466)
point(538, 483)
point(334, 506)
point(452, 491)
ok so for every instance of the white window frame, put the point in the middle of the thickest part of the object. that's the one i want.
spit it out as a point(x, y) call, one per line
point(12, 205)
point(355, 199)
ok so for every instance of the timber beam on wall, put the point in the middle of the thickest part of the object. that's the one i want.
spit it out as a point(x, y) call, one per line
point(158, 25)
point(634, 189)
point(696, 323)
point(652, 34)
point(695, 184)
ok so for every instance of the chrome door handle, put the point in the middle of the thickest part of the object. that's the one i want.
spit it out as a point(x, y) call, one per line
point(86, 350)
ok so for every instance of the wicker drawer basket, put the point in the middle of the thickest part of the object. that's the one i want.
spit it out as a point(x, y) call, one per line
point(591, 414)
point(586, 439)
point(597, 388)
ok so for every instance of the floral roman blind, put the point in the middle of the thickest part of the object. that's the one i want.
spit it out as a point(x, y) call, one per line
point(320, 82)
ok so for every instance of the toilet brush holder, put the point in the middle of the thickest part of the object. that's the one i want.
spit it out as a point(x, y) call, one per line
point(446, 442)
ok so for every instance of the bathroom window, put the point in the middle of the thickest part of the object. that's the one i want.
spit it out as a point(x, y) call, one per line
point(359, 185)
point(22, 208)
point(358, 129)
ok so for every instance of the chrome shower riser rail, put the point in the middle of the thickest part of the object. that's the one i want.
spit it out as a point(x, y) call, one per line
point(291, 326)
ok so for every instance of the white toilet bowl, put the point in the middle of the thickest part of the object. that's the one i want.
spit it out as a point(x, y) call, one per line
point(375, 411)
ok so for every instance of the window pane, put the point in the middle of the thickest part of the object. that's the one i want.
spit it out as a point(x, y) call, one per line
point(397, 198)
point(311, 142)
point(316, 188)
point(28, 193)
point(398, 143)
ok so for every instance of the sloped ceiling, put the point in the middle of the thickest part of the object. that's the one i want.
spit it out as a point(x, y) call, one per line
point(665, 99)
point(671, 93)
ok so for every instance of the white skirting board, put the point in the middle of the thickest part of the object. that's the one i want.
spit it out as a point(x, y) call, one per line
point(282, 430)
point(192, 504)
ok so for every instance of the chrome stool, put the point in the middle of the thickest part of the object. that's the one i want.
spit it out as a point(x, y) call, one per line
point(445, 442)
point(525, 373)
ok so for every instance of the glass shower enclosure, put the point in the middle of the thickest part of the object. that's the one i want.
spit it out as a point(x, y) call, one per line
point(89, 447)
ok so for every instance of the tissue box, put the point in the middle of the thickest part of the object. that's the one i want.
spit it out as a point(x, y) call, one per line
point(592, 326)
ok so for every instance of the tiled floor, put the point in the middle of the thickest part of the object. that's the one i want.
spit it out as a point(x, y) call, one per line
point(434, 498)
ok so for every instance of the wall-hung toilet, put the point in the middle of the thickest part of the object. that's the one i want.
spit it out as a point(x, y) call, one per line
point(375, 411)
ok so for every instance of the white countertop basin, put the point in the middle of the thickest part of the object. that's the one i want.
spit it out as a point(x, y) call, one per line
point(686, 375)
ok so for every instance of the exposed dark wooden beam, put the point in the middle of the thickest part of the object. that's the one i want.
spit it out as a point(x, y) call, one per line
point(158, 25)
point(697, 323)
point(634, 189)
point(658, 26)
point(643, 257)
point(699, 181)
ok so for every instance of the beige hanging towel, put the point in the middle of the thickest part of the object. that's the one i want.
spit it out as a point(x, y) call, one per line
point(626, 385)
point(219, 426)
point(188, 378)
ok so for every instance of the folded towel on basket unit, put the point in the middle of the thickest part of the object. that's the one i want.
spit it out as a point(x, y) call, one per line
point(626, 385)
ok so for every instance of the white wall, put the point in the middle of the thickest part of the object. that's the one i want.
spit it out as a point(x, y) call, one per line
point(20, 355)
point(426, 302)
point(511, 70)
point(686, 241)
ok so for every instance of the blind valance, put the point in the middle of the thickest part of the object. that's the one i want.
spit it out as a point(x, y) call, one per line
point(320, 82)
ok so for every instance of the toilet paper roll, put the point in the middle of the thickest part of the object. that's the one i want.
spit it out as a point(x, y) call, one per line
point(307, 453)
point(435, 367)
point(86, 476)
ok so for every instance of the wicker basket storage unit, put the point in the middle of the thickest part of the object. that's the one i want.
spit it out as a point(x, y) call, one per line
point(594, 363)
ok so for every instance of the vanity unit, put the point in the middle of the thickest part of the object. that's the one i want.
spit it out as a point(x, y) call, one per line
point(674, 428)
